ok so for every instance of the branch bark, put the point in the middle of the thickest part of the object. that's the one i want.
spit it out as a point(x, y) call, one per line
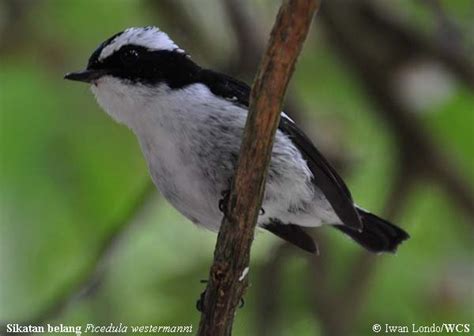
point(227, 278)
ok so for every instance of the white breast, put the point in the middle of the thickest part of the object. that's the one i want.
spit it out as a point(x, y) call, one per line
point(190, 156)
point(169, 130)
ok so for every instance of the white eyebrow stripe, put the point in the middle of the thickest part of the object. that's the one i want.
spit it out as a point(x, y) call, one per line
point(149, 37)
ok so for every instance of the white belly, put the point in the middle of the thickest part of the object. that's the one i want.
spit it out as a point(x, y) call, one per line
point(191, 148)
point(178, 174)
point(179, 180)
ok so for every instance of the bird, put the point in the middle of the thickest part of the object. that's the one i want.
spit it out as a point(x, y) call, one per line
point(189, 122)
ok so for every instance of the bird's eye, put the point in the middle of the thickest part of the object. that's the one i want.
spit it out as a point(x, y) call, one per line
point(129, 57)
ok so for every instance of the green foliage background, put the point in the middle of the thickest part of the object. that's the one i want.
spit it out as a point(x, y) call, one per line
point(68, 175)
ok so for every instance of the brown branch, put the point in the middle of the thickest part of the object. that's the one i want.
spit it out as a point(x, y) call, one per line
point(248, 33)
point(227, 278)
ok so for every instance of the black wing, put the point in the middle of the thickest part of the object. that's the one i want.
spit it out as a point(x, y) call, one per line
point(293, 234)
point(226, 87)
point(324, 176)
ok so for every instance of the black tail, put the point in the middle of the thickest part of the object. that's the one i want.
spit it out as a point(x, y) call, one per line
point(378, 235)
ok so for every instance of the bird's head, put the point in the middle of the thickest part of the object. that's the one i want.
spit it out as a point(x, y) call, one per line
point(139, 55)
point(132, 65)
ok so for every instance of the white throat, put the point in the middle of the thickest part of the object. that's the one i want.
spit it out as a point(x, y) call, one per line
point(123, 102)
point(144, 108)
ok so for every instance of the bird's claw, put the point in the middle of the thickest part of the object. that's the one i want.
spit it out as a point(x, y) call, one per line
point(200, 301)
point(224, 201)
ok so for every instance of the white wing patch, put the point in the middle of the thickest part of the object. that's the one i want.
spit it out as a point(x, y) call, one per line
point(148, 37)
point(284, 115)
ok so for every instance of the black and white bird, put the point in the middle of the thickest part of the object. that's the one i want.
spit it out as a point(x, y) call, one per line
point(189, 123)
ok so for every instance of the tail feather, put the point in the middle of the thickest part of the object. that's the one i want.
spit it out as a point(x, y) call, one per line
point(377, 235)
point(293, 234)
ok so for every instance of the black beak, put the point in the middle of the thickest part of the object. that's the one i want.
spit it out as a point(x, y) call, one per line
point(86, 76)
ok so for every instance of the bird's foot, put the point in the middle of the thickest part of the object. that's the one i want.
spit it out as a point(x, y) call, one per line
point(200, 301)
point(224, 201)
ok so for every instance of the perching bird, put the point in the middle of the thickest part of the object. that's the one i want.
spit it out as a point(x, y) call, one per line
point(189, 123)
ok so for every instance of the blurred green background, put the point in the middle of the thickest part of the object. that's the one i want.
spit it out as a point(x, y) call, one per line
point(83, 239)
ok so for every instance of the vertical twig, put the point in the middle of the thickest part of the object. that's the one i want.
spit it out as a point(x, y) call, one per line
point(227, 278)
